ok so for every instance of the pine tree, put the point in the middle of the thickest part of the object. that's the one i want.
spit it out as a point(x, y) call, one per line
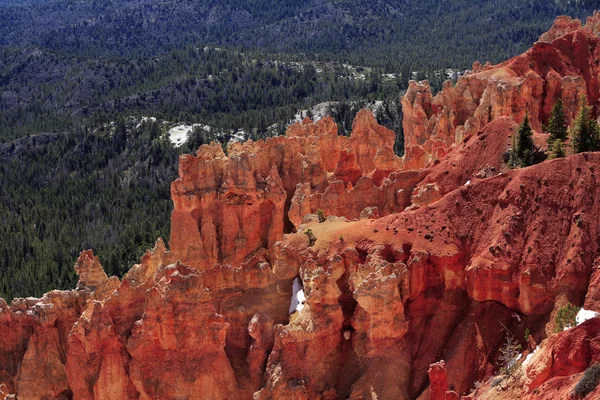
point(558, 124)
point(585, 132)
point(521, 154)
point(557, 149)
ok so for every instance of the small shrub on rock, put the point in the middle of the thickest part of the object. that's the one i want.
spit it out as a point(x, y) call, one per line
point(312, 239)
point(565, 317)
point(509, 355)
point(321, 215)
point(588, 382)
point(496, 381)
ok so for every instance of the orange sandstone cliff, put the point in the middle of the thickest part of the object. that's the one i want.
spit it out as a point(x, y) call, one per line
point(407, 290)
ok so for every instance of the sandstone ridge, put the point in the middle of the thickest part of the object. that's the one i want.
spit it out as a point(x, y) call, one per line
point(227, 207)
point(403, 288)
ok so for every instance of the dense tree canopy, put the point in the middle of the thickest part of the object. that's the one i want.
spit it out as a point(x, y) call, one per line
point(423, 34)
point(62, 193)
point(78, 172)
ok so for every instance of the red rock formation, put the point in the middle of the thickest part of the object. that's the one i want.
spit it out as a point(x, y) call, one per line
point(97, 359)
point(34, 344)
point(519, 239)
point(180, 329)
point(439, 383)
point(561, 65)
point(413, 264)
point(479, 157)
point(592, 298)
point(563, 25)
point(229, 207)
point(223, 211)
point(555, 368)
point(260, 330)
point(92, 278)
point(564, 354)
point(373, 147)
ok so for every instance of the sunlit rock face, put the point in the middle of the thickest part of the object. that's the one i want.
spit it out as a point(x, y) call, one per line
point(316, 266)
point(228, 207)
point(562, 64)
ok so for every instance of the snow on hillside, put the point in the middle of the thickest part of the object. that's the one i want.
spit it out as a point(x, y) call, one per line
point(178, 134)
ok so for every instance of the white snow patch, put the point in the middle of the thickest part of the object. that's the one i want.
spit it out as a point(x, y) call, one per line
point(298, 298)
point(178, 134)
point(530, 355)
point(317, 112)
point(584, 315)
point(375, 106)
point(144, 119)
point(324, 109)
point(301, 300)
point(468, 183)
point(238, 136)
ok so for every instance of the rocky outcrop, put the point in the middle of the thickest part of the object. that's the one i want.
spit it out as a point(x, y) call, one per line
point(229, 207)
point(385, 299)
point(97, 359)
point(438, 382)
point(564, 354)
point(477, 158)
point(407, 262)
point(223, 212)
point(561, 65)
point(33, 345)
point(518, 240)
point(92, 278)
point(554, 369)
point(116, 346)
point(180, 329)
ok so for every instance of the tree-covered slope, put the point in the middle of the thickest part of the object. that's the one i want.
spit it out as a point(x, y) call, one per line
point(69, 180)
point(62, 193)
point(228, 89)
point(424, 33)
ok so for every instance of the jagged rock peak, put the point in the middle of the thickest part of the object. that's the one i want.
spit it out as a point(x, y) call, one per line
point(228, 207)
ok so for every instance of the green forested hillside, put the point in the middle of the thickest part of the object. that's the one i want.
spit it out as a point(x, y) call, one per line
point(63, 193)
point(422, 33)
point(64, 61)
point(227, 89)
point(76, 170)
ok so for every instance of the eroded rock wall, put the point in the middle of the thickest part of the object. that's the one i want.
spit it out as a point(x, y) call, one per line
point(229, 207)
point(562, 64)
point(422, 259)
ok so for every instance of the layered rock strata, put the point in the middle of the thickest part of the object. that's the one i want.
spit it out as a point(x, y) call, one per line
point(430, 257)
point(227, 207)
point(562, 64)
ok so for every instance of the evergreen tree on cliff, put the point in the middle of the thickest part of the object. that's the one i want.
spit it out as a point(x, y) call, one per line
point(557, 149)
point(521, 154)
point(585, 133)
point(558, 124)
